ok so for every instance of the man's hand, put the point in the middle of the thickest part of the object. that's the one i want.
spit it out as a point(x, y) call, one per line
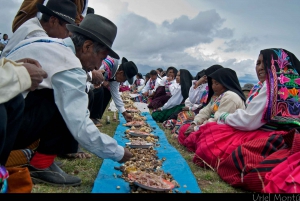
point(189, 130)
point(127, 156)
point(30, 61)
point(97, 77)
point(105, 84)
point(36, 73)
point(127, 116)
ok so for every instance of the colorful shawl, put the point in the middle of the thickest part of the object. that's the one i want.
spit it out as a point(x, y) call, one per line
point(108, 64)
point(283, 80)
point(254, 92)
point(216, 104)
point(203, 96)
point(152, 84)
point(167, 87)
point(3, 179)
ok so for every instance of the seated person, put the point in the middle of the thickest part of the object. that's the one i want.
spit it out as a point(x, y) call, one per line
point(268, 128)
point(224, 84)
point(147, 78)
point(16, 77)
point(198, 94)
point(235, 128)
point(247, 88)
point(138, 83)
point(179, 92)
point(124, 86)
point(161, 92)
point(149, 88)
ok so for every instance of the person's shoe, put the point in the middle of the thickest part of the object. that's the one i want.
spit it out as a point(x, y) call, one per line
point(96, 122)
point(59, 163)
point(53, 175)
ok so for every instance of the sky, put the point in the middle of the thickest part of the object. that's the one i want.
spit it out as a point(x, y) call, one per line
point(193, 34)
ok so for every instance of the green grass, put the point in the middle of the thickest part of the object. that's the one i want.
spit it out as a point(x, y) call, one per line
point(87, 169)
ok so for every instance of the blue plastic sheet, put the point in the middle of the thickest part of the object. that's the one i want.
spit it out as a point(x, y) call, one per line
point(107, 180)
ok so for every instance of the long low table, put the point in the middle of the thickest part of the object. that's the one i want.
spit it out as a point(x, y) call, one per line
point(107, 180)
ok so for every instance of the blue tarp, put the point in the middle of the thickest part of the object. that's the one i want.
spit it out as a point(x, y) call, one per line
point(175, 164)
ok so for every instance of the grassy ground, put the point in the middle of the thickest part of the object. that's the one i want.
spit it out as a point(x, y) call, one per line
point(87, 169)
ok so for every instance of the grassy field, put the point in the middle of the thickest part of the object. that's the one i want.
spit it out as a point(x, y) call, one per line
point(87, 169)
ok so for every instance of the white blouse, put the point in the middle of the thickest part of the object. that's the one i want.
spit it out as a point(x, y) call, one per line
point(176, 98)
point(250, 118)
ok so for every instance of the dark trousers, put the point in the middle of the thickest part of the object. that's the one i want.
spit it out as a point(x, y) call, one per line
point(10, 121)
point(91, 100)
point(101, 99)
point(42, 120)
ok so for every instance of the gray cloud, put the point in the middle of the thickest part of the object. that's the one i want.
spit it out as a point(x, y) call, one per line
point(243, 44)
point(8, 12)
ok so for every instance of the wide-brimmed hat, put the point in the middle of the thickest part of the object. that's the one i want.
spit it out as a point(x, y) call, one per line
point(97, 28)
point(62, 9)
point(130, 69)
point(247, 87)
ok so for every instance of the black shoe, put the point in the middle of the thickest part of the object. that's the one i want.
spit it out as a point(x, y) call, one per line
point(53, 175)
point(59, 163)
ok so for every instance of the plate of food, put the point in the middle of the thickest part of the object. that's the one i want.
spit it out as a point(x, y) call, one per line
point(142, 145)
point(135, 123)
point(138, 133)
point(150, 181)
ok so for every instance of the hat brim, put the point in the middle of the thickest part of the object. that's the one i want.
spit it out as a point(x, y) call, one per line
point(75, 28)
point(44, 9)
point(130, 80)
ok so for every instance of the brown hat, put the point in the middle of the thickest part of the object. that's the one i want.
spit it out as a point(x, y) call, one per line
point(97, 28)
point(62, 9)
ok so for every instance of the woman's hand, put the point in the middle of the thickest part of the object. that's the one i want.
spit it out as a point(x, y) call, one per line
point(202, 80)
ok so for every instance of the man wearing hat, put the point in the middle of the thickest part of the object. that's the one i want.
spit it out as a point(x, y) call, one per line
point(55, 15)
point(60, 105)
point(114, 75)
point(247, 88)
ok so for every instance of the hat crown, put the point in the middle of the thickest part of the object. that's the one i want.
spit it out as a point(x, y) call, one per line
point(129, 69)
point(101, 27)
point(64, 9)
point(247, 87)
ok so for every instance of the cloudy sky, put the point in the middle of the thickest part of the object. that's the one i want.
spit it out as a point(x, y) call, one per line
point(194, 34)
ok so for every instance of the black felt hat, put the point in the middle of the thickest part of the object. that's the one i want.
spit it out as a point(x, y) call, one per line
point(62, 9)
point(130, 69)
point(97, 28)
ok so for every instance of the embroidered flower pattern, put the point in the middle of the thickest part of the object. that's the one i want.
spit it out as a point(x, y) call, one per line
point(283, 79)
point(283, 93)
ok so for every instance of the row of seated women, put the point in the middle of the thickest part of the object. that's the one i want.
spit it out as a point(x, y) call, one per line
point(252, 142)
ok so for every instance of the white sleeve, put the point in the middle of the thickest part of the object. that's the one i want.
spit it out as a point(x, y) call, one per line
point(14, 79)
point(175, 100)
point(72, 102)
point(146, 87)
point(142, 82)
point(251, 118)
point(196, 94)
point(114, 90)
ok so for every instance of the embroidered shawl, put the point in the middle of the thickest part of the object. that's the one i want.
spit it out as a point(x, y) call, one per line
point(283, 80)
